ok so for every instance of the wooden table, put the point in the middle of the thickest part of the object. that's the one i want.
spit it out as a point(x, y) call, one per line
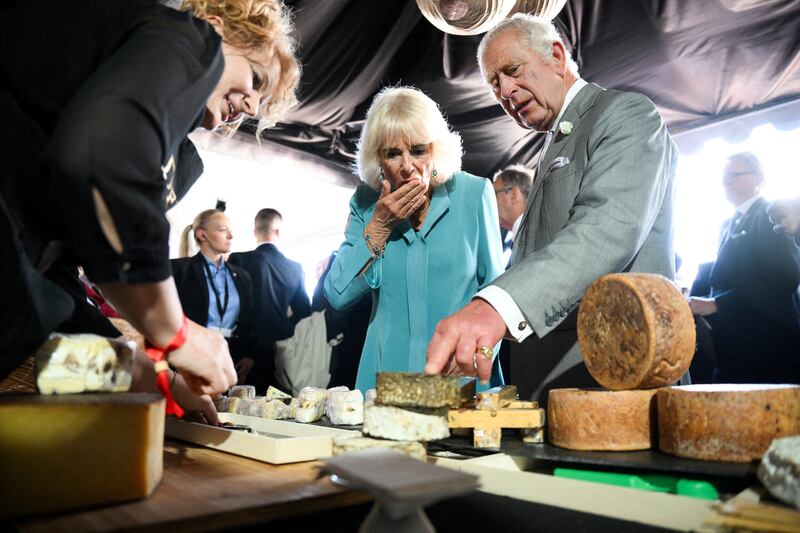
point(205, 490)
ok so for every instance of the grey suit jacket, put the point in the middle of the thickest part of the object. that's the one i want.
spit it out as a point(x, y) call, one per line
point(601, 202)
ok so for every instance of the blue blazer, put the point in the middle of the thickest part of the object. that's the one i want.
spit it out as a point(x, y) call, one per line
point(424, 275)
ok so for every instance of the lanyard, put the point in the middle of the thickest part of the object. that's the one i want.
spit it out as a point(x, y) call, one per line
point(221, 307)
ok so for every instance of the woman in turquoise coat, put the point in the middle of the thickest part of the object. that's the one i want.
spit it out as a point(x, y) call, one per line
point(422, 237)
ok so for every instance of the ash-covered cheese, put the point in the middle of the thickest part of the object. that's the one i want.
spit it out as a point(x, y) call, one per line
point(779, 470)
point(396, 423)
point(345, 407)
point(250, 406)
point(67, 364)
point(412, 389)
point(226, 404)
point(310, 404)
point(342, 445)
point(242, 391)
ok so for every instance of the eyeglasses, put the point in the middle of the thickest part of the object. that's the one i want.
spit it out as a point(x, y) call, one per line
point(504, 189)
point(732, 175)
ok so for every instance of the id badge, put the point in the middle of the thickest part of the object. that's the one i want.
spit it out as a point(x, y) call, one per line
point(225, 332)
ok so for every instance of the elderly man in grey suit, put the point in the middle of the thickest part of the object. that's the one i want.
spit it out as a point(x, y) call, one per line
point(601, 202)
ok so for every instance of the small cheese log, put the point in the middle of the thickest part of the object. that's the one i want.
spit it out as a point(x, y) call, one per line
point(226, 404)
point(277, 394)
point(370, 395)
point(409, 389)
point(593, 419)
point(395, 423)
point(276, 409)
point(495, 398)
point(532, 435)
point(342, 445)
point(76, 450)
point(242, 391)
point(250, 406)
point(345, 407)
point(310, 404)
point(502, 418)
point(68, 364)
point(779, 470)
point(636, 331)
point(726, 422)
point(487, 437)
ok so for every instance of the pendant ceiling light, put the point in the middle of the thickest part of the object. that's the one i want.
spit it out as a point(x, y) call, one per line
point(471, 17)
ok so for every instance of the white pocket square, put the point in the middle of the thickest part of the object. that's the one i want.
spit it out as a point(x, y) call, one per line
point(557, 163)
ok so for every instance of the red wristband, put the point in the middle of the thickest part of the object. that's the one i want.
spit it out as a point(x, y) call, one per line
point(158, 355)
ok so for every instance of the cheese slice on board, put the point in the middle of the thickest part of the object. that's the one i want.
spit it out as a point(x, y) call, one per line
point(726, 422)
point(636, 331)
point(595, 419)
point(70, 451)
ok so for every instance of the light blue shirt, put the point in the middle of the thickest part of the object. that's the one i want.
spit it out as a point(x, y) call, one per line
point(219, 276)
point(424, 276)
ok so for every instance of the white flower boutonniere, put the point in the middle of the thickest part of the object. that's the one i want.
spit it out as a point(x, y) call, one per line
point(565, 127)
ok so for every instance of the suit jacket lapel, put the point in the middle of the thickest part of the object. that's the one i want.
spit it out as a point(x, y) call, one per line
point(582, 103)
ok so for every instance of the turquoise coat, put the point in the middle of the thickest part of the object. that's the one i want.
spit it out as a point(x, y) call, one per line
point(424, 275)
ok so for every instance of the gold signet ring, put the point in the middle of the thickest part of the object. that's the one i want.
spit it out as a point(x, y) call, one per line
point(486, 351)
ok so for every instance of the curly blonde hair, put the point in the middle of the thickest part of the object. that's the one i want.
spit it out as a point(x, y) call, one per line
point(256, 26)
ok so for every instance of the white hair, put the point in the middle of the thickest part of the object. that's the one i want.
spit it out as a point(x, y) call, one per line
point(537, 33)
point(409, 114)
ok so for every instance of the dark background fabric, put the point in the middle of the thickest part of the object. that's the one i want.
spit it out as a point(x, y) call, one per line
point(701, 62)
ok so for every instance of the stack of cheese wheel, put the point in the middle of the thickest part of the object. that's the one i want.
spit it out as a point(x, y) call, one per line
point(636, 333)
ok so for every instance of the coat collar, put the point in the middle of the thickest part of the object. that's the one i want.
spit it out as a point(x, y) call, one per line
point(440, 203)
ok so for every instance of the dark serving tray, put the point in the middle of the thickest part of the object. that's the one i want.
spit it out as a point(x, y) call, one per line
point(652, 461)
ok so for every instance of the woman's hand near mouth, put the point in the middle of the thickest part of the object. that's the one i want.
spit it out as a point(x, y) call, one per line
point(393, 207)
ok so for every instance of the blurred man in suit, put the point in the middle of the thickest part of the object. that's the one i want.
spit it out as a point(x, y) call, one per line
point(753, 298)
point(279, 295)
point(511, 186)
point(601, 202)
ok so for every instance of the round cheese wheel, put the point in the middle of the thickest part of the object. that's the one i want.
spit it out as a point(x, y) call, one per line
point(594, 419)
point(726, 422)
point(636, 331)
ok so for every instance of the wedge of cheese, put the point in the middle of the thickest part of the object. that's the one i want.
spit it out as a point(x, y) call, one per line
point(726, 422)
point(636, 331)
point(71, 451)
point(595, 419)
point(396, 423)
point(342, 445)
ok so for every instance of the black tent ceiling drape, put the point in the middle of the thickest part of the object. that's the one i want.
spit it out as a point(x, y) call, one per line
point(700, 61)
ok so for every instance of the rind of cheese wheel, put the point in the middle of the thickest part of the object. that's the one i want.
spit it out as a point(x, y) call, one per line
point(594, 419)
point(635, 331)
point(726, 422)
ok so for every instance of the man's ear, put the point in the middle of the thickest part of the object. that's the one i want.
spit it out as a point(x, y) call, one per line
point(560, 58)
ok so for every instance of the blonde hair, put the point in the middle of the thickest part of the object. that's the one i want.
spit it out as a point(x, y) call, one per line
point(257, 26)
point(200, 222)
point(409, 114)
point(537, 33)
